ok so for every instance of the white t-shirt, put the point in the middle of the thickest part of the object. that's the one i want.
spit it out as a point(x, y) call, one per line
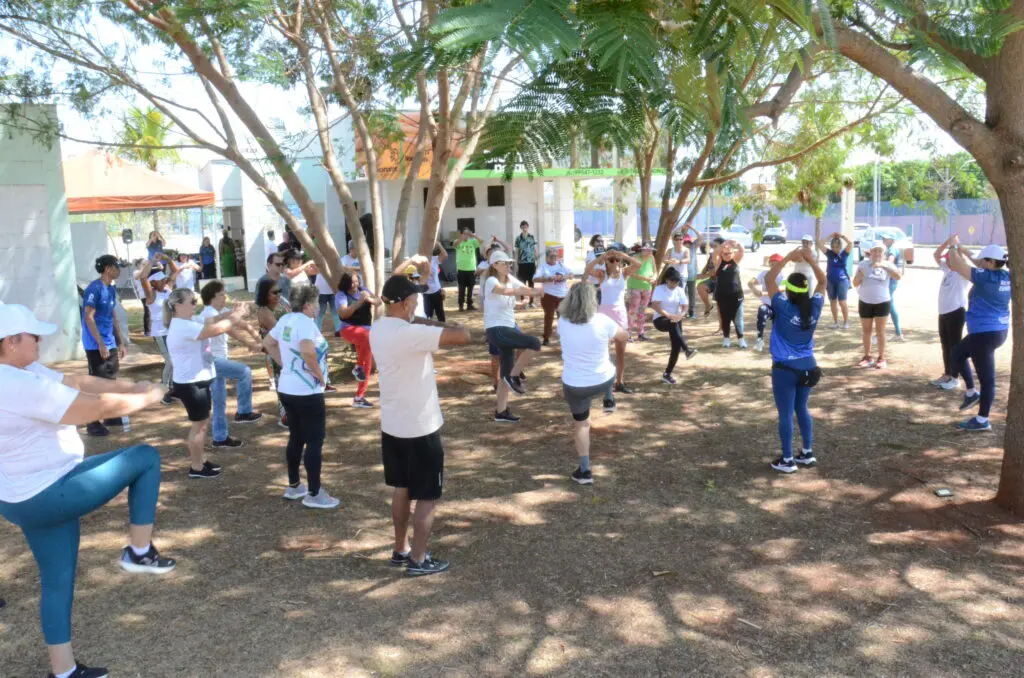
point(350, 261)
point(499, 309)
point(874, 288)
point(434, 279)
point(761, 277)
point(684, 269)
point(140, 293)
point(601, 267)
point(555, 289)
point(36, 450)
point(585, 360)
point(409, 407)
point(218, 344)
point(299, 280)
point(322, 286)
point(482, 270)
point(613, 291)
point(191, 358)
point(156, 314)
point(673, 301)
point(953, 290)
point(186, 278)
point(271, 247)
point(289, 332)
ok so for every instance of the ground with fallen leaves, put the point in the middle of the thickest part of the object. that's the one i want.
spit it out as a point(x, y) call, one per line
point(688, 557)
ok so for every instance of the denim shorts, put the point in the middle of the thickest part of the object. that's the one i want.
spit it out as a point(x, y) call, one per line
point(837, 289)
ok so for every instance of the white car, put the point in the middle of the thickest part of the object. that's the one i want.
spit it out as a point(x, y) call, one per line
point(742, 236)
point(776, 233)
point(858, 232)
point(873, 235)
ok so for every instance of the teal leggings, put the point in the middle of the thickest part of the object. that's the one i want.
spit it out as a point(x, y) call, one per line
point(50, 522)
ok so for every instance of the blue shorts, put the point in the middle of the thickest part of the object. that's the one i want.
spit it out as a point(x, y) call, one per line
point(837, 289)
point(493, 349)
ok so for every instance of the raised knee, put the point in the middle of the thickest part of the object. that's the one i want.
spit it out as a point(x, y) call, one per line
point(145, 453)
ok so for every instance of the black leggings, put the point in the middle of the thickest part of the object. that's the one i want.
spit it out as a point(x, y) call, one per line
point(691, 295)
point(951, 331)
point(306, 431)
point(526, 273)
point(728, 308)
point(433, 304)
point(466, 281)
point(981, 350)
point(675, 335)
point(764, 314)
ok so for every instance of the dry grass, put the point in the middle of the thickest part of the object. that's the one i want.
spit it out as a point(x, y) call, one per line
point(687, 558)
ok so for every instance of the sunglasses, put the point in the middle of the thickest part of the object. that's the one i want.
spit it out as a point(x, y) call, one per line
point(278, 264)
point(275, 292)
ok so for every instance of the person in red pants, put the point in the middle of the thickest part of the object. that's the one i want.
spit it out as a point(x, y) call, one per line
point(355, 309)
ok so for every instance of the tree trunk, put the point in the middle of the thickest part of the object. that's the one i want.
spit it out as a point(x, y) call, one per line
point(644, 176)
point(574, 152)
point(595, 154)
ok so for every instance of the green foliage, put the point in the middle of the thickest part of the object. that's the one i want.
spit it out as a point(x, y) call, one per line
point(910, 182)
point(142, 132)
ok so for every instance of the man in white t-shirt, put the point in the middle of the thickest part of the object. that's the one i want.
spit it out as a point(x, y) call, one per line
point(350, 260)
point(410, 418)
point(271, 246)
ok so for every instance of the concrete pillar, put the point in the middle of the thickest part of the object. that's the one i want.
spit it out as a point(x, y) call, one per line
point(563, 228)
point(625, 205)
point(847, 217)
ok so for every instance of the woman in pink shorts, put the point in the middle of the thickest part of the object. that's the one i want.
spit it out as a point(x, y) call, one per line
point(618, 266)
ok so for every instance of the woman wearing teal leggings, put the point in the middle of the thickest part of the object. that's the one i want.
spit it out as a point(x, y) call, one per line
point(46, 485)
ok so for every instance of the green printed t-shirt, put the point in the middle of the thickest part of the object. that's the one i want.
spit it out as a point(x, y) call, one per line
point(646, 270)
point(465, 254)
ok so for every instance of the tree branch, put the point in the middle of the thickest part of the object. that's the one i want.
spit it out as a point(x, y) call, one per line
point(800, 71)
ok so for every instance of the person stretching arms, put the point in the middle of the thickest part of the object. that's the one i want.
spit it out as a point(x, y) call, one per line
point(836, 256)
point(952, 312)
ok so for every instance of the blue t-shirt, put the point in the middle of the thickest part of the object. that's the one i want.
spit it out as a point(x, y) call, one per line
point(988, 303)
point(789, 341)
point(154, 249)
point(103, 298)
point(837, 265)
point(207, 253)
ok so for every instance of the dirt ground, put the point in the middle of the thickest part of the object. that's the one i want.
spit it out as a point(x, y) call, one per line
point(688, 557)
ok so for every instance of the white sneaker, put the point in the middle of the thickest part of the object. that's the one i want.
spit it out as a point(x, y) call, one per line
point(846, 326)
point(321, 500)
point(938, 382)
point(834, 326)
point(743, 343)
point(950, 385)
point(759, 345)
point(726, 342)
point(295, 492)
point(900, 338)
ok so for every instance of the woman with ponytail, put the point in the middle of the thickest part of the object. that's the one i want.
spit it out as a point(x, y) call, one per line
point(794, 369)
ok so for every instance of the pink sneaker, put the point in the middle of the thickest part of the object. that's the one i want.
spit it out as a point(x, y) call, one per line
point(866, 361)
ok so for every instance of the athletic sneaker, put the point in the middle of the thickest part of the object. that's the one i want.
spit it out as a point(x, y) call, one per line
point(622, 388)
point(973, 424)
point(834, 326)
point(97, 430)
point(805, 459)
point(204, 472)
point(167, 399)
point(667, 378)
point(400, 559)
point(522, 377)
point(506, 417)
point(582, 477)
point(545, 343)
point(295, 492)
point(428, 566)
point(609, 405)
point(362, 403)
point(642, 337)
point(359, 373)
point(783, 465)
point(950, 385)
point(881, 364)
point(330, 389)
point(743, 343)
point(759, 344)
point(320, 500)
point(866, 361)
point(83, 671)
point(690, 352)
point(846, 325)
point(900, 338)
point(283, 421)
point(726, 342)
point(227, 442)
point(969, 401)
point(938, 382)
point(210, 465)
point(514, 383)
point(151, 562)
point(248, 417)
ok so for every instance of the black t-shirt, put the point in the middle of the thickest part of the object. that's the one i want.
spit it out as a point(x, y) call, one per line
point(727, 285)
point(363, 315)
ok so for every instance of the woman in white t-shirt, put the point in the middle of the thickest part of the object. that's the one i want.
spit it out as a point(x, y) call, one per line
point(156, 287)
point(433, 298)
point(953, 293)
point(872, 280)
point(500, 292)
point(325, 301)
point(586, 370)
point(46, 485)
point(669, 302)
point(555, 277)
point(297, 346)
point(188, 342)
point(187, 269)
point(612, 269)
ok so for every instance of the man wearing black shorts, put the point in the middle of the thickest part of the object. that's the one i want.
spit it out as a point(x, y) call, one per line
point(410, 418)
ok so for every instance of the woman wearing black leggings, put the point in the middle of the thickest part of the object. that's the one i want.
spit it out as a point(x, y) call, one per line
point(729, 289)
point(952, 314)
point(669, 303)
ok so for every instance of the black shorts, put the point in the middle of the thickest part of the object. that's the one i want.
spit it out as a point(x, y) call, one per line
point(416, 464)
point(709, 284)
point(867, 310)
point(104, 369)
point(196, 399)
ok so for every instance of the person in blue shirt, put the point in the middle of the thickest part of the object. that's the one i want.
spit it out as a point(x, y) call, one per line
point(837, 277)
point(895, 256)
point(988, 320)
point(155, 245)
point(794, 368)
point(208, 255)
point(101, 338)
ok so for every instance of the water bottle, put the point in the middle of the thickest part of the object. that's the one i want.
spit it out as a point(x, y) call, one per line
point(126, 424)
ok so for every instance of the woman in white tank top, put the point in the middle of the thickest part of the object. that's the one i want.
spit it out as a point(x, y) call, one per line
point(612, 268)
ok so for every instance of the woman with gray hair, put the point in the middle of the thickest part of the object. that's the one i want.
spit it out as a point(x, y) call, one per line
point(587, 371)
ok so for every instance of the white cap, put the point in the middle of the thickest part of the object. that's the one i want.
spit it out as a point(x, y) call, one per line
point(498, 256)
point(807, 237)
point(992, 251)
point(157, 277)
point(872, 245)
point(15, 319)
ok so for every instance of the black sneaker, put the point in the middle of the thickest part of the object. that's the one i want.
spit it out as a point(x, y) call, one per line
point(150, 562)
point(690, 353)
point(506, 417)
point(248, 417)
point(545, 343)
point(428, 566)
point(970, 401)
point(83, 671)
point(582, 477)
point(97, 430)
point(400, 559)
point(667, 378)
point(522, 377)
point(784, 465)
point(210, 465)
point(514, 383)
point(113, 421)
point(227, 442)
point(330, 389)
point(362, 403)
point(167, 400)
point(609, 405)
point(622, 388)
point(805, 459)
point(204, 472)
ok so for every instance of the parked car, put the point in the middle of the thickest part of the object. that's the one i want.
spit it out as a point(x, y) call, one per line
point(710, 233)
point(858, 232)
point(777, 233)
point(743, 236)
point(872, 235)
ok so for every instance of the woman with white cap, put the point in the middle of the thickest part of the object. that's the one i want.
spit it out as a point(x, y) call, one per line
point(500, 292)
point(872, 280)
point(46, 484)
point(952, 311)
point(613, 269)
point(157, 288)
point(640, 283)
point(988, 321)
point(555, 277)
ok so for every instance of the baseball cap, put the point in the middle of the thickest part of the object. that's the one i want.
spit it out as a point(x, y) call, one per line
point(398, 288)
point(411, 271)
point(992, 251)
point(647, 245)
point(873, 245)
point(807, 237)
point(687, 238)
point(15, 319)
point(105, 260)
point(498, 256)
point(157, 277)
point(775, 258)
